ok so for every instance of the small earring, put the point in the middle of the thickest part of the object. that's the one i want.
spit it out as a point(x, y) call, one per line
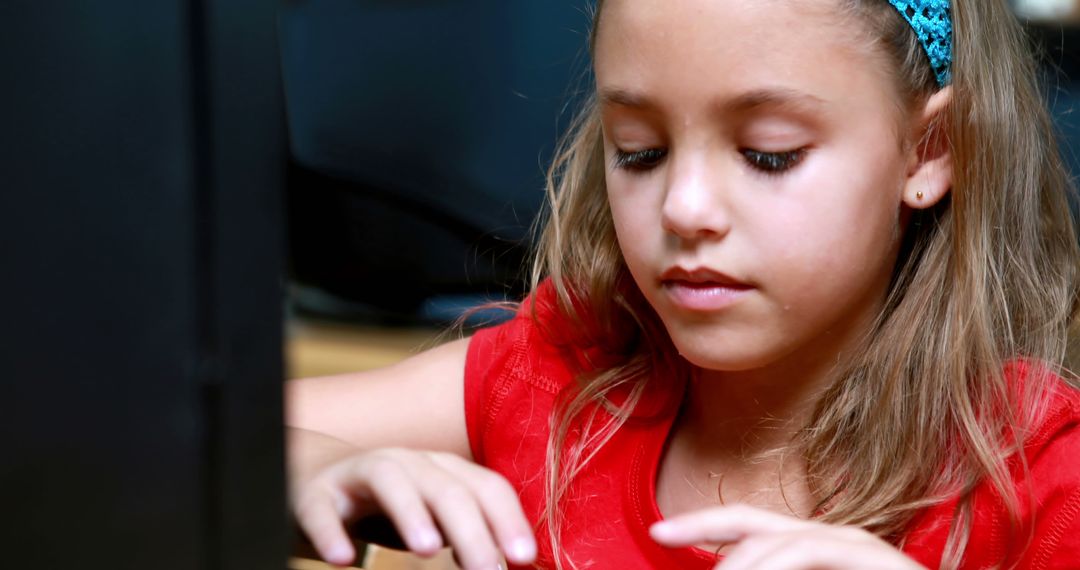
point(919, 195)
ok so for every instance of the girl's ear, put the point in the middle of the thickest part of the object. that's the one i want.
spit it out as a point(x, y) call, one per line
point(930, 166)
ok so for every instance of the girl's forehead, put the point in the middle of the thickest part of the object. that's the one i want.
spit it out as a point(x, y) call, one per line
point(714, 12)
point(709, 47)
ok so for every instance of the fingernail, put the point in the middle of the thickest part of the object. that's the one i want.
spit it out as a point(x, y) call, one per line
point(521, 550)
point(662, 529)
point(340, 554)
point(426, 540)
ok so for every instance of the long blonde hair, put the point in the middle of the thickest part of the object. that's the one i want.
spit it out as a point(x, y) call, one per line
point(987, 276)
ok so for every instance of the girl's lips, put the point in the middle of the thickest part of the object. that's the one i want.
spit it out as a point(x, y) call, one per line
point(700, 276)
point(704, 295)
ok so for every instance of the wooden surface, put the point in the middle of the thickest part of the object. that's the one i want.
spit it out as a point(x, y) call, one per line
point(318, 348)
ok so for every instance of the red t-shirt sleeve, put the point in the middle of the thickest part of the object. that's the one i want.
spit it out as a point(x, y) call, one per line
point(1048, 536)
point(1051, 519)
point(1055, 474)
point(491, 354)
point(514, 361)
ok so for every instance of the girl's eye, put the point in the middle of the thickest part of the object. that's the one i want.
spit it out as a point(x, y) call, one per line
point(773, 162)
point(640, 160)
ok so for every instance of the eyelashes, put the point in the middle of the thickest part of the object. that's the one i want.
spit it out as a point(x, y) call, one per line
point(773, 162)
point(769, 163)
point(641, 160)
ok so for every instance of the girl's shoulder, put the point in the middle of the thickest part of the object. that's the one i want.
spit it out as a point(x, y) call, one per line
point(521, 366)
point(1048, 404)
point(1049, 486)
point(543, 344)
point(1046, 477)
point(516, 372)
point(536, 345)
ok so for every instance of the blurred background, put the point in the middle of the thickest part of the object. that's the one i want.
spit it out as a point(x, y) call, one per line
point(419, 137)
point(204, 198)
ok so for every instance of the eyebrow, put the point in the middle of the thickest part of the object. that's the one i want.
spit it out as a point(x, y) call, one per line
point(624, 98)
point(782, 98)
point(745, 102)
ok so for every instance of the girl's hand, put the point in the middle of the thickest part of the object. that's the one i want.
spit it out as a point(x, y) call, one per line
point(477, 511)
point(764, 540)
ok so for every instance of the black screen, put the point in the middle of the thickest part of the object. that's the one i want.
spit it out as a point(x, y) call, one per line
point(140, 224)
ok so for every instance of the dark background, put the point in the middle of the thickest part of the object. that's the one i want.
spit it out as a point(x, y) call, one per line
point(142, 151)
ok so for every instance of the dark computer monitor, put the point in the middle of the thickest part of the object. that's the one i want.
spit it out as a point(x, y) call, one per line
point(140, 222)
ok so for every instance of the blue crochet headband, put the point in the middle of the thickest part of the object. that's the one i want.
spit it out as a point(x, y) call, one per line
point(932, 22)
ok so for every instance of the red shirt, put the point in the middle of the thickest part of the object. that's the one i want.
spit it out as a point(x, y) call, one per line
point(513, 374)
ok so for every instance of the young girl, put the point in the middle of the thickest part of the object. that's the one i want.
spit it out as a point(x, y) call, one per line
point(801, 302)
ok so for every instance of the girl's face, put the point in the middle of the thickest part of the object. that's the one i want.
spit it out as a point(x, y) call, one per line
point(754, 171)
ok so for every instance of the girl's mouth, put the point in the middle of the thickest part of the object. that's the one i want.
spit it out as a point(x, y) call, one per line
point(702, 290)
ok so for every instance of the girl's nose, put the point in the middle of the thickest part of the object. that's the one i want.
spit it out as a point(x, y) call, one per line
point(694, 203)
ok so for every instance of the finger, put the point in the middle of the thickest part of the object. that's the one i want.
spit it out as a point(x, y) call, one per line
point(722, 524)
point(500, 505)
point(320, 521)
point(391, 486)
point(825, 548)
point(765, 552)
point(459, 515)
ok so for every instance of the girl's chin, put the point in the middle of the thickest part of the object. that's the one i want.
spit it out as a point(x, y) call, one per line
point(727, 361)
point(731, 345)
